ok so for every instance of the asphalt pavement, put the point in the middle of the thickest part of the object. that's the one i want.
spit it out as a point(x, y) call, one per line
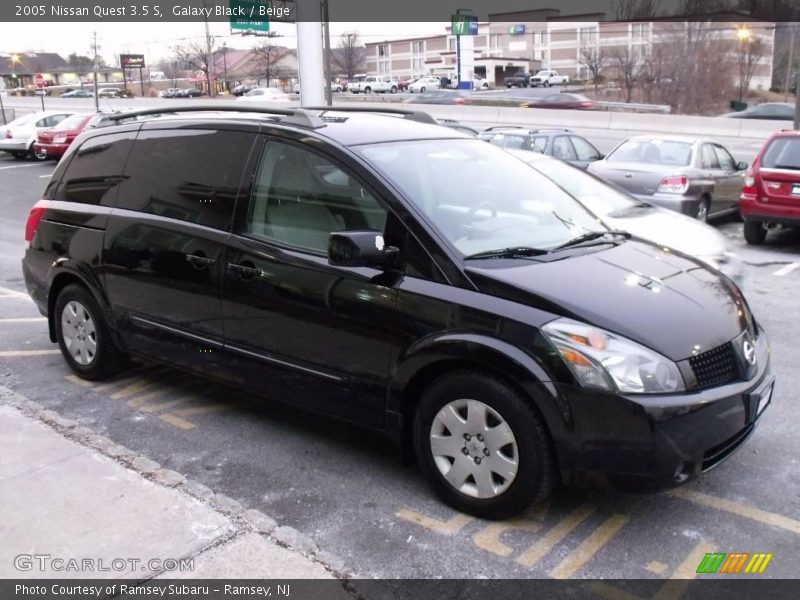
point(347, 490)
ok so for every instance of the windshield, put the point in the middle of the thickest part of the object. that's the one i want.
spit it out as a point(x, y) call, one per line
point(603, 200)
point(782, 153)
point(479, 197)
point(658, 152)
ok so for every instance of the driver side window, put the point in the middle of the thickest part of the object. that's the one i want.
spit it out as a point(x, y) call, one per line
point(300, 197)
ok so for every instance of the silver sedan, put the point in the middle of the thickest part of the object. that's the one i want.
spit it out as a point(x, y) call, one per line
point(694, 176)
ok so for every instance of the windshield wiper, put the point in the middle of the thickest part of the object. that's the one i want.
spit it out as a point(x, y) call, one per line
point(518, 252)
point(588, 237)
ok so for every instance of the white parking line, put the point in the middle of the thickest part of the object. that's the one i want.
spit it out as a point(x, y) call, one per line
point(11, 353)
point(9, 293)
point(43, 176)
point(787, 269)
point(19, 167)
point(24, 320)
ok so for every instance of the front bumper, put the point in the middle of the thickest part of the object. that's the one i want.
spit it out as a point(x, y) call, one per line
point(650, 443)
point(686, 205)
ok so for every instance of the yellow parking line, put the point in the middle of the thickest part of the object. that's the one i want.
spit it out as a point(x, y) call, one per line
point(15, 353)
point(656, 567)
point(141, 383)
point(687, 570)
point(130, 376)
point(449, 527)
point(176, 418)
point(78, 381)
point(535, 553)
point(737, 508)
point(576, 559)
point(24, 320)
point(488, 538)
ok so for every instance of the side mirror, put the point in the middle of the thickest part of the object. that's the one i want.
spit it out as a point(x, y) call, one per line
point(742, 165)
point(359, 249)
point(601, 156)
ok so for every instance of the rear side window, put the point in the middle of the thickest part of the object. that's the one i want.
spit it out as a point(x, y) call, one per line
point(94, 171)
point(189, 175)
point(782, 153)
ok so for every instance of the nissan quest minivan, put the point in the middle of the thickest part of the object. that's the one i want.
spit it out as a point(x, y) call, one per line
point(385, 270)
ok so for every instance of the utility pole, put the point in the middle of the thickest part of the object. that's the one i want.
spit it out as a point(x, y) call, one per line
point(327, 50)
point(94, 69)
point(225, 65)
point(789, 64)
point(209, 61)
point(309, 53)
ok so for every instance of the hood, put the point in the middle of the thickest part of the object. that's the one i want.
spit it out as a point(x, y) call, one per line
point(674, 230)
point(664, 301)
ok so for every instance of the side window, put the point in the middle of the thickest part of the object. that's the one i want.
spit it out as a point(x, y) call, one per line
point(94, 171)
point(539, 143)
point(709, 157)
point(498, 140)
point(584, 150)
point(190, 175)
point(517, 142)
point(300, 197)
point(562, 148)
point(725, 159)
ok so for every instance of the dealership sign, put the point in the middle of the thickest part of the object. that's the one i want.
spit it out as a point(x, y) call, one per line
point(131, 61)
point(517, 29)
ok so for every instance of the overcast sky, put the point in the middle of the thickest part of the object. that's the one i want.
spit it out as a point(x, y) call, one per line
point(155, 39)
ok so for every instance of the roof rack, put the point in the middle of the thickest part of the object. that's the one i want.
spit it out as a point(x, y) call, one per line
point(540, 130)
point(293, 116)
point(411, 115)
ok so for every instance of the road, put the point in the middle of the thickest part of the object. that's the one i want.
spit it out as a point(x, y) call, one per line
point(347, 489)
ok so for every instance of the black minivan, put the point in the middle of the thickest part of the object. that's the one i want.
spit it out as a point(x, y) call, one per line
point(398, 274)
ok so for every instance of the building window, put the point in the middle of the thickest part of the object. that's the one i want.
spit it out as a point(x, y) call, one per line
point(640, 33)
point(418, 47)
point(587, 37)
point(383, 50)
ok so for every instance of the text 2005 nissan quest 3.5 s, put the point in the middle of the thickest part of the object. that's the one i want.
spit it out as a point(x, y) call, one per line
point(398, 274)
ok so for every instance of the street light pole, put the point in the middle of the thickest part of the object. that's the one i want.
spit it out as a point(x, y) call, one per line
point(789, 64)
point(94, 70)
point(225, 65)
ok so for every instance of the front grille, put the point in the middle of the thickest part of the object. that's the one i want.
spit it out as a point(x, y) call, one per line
point(715, 367)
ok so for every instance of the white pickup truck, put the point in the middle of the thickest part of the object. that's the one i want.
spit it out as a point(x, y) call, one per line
point(546, 78)
point(374, 83)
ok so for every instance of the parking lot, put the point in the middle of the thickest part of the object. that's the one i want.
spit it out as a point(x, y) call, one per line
point(347, 489)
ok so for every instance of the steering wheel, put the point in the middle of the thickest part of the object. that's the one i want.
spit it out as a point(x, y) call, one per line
point(485, 204)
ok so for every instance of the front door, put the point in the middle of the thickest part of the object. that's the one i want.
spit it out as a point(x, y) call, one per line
point(298, 328)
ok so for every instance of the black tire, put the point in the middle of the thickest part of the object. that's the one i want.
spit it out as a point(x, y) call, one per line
point(107, 358)
point(393, 90)
point(703, 210)
point(18, 155)
point(536, 473)
point(754, 233)
point(367, 90)
point(422, 90)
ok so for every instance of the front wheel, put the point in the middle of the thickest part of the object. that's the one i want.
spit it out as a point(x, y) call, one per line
point(394, 89)
point(84, 336)
point(483, 447)
point(754, 233)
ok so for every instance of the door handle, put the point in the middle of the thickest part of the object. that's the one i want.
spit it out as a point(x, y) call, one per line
point(199, 262)
point(244, 271)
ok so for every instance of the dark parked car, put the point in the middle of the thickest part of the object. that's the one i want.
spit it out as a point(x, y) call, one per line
point(398, 274)
point(522, 79)
point(562, 144)
point(441, 97)
point(564, 100)
point(695, 176)
point(777, 111)
point(771, 192)
point(241, 90)
point(189, 93)
point(77, 94)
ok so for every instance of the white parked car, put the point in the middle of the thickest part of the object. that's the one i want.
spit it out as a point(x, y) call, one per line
point(480, 84)
point(548, 77)
point(264, 94)
point(335, 87)
point(374, 83)
point(618, 210)
point(18, 136)
point(424, 84)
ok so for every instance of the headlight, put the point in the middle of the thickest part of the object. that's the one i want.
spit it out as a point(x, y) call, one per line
point(605, 360)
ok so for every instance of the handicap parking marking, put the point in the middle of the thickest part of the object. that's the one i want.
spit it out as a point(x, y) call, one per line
point(785, 270)
point(589, 547)
point(561, 530)
point(449, 527)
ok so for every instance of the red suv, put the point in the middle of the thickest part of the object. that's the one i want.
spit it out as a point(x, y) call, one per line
point(771, 194)
point(53, 143)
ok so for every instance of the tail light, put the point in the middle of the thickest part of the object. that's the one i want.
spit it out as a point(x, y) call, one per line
point(749, 188)
point(677, 184)
point(34, 218)
point(587, 104)
point(460, 101)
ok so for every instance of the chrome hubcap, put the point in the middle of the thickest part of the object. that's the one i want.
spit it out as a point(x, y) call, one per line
point(474, 448)
point(78, 331)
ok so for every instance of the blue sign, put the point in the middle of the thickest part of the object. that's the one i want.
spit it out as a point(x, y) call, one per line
point(517, 29)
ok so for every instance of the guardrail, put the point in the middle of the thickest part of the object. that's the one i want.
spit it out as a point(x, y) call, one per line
point(633, 107)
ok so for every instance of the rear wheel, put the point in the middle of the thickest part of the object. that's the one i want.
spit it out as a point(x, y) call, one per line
point(754, 233)
point(18, 155)
point(483, 448)
point(394, 89)
point(367, 90)
point(702, 210)
point(84, 336)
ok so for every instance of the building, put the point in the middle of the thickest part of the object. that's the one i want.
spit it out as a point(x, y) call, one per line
point(525, 41)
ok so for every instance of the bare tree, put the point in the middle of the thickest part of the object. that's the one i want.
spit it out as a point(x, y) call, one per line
point(195, 56)
point(172, 70)
point(627, 62)
point(82, 64)
point(349, 57)
point(751, 51)
point(629, 10)
point(267, 58)
point(701, 7)
point(596, 61)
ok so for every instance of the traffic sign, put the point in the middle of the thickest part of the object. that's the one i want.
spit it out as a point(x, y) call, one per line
point(38, 80)
point(249, 15)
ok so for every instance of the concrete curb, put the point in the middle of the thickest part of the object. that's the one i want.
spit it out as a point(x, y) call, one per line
point(246, 520)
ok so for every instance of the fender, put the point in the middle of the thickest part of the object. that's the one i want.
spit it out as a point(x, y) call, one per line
point(437, 350)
